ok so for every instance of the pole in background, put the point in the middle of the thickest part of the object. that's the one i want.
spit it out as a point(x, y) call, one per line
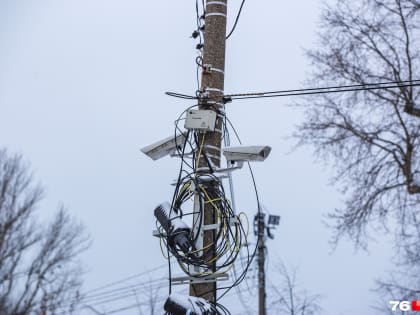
point(260, 230)
point(261, 264)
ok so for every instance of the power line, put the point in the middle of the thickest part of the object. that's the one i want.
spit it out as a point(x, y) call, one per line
point(112, 297)
point(122, 309)
point(153, 284)
point(309, 91)
point(96, 296)
point(325, 90)
point(125, 279)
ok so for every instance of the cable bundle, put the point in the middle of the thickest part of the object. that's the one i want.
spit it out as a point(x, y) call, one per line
point(207, 189)
point(229, 233)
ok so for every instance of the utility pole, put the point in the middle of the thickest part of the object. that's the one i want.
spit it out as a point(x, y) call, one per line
point(212, 87)
point(261, 264)
point(262, 228)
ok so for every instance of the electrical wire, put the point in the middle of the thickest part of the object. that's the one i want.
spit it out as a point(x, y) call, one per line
point(325, 90)
point(125, 279)
point(114, 295)
point(108, 293)
point(310, 91)
point(236, 20)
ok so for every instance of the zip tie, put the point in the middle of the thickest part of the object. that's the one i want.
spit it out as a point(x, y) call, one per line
point(204, 168)
point(216, 103)
point(216, 14)
point(211, 156)
point(217, 70)
point(212, 147)
point(216, 3)
point(214, 90)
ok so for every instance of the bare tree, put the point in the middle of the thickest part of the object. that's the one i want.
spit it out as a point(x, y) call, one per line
point(370, 136)
point(402, 284)
point(399, 286)
point(39, 270)
point(288, 298)
point(149, 297)
point(415, 3)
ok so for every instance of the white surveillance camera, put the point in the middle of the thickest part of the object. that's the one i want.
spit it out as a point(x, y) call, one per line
point(246, 153)
point(164, 147)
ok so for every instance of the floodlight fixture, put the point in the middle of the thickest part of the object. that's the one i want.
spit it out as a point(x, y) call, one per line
point(273, 220)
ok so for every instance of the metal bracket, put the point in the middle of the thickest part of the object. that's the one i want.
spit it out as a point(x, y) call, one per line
point(205, 279)
point(232, 221)
point(157, 234)
point(204, 179)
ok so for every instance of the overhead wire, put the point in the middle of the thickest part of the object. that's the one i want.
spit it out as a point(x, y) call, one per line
point(125, 279)
point(311, 91)
point(325, 90)
point(236, 20)
point(108, 293)
point(113, 295)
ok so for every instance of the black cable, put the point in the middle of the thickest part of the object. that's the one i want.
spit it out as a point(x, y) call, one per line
point(311, 91)
point(335, 87)
point(325, 90)
point(172, 204)
point(236, 20)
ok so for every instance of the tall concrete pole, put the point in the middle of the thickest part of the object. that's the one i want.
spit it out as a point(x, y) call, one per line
point(212, 84)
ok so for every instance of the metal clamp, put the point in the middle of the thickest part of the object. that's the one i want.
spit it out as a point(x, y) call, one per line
point(205, 279)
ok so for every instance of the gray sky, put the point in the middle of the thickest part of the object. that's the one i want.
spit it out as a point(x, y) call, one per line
point(82, 89)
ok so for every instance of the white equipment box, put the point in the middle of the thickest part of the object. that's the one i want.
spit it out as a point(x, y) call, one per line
point(204, 120)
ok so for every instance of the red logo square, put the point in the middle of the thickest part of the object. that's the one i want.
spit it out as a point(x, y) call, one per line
point(415, 305)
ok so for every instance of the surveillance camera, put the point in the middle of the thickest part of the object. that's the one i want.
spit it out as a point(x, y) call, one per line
point(246, 153)
point(164, 147)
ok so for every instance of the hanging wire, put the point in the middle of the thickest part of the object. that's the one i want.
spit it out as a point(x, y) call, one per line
point(236, 20)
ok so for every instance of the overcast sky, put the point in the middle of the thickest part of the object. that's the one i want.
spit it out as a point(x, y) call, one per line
point(82, 87)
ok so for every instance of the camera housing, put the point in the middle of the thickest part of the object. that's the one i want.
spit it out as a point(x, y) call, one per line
point(167, 146)
point(246, 153)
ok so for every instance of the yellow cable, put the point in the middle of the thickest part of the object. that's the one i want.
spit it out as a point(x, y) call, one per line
point(201, 148)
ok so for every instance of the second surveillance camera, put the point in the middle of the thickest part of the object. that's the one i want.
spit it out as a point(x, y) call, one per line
point(246, 153)
point(164, 147)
